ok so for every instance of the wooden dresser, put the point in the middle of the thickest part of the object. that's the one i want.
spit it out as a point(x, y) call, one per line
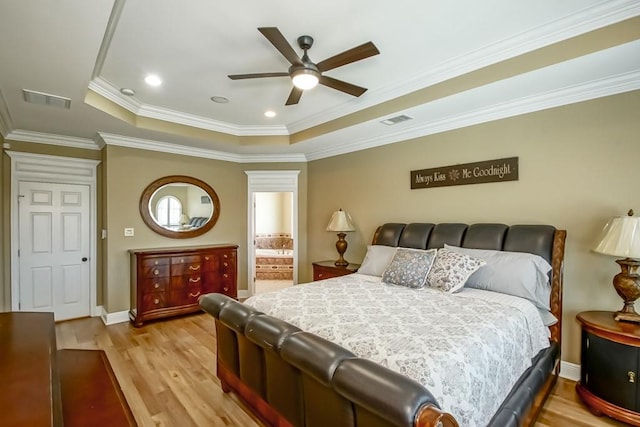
point(169, 281)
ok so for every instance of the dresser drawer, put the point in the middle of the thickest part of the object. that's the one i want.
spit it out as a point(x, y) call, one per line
point(153, 301)
point(153, 262)
point(155, 270)
point(187, 268)
point(184, 282)
point(156, 284)
point(185, 298)
point(186, 259)
point(327, 269)
point(321, 273)
point(209, 262)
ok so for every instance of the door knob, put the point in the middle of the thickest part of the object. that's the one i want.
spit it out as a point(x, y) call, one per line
point(85, 259)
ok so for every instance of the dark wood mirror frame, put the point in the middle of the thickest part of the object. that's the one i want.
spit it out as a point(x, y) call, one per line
point(152, 224)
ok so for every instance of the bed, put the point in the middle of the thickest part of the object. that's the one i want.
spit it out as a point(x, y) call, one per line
point(294, 364)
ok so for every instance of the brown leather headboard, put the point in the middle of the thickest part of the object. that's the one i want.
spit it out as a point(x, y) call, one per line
point(542, 240)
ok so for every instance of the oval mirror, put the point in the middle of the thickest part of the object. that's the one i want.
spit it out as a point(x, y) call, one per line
point(179, 206)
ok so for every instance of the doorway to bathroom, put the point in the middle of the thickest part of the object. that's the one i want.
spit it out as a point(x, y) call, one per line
point(273, 241)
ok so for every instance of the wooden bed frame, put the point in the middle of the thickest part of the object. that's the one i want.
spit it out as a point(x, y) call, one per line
point(243, 362)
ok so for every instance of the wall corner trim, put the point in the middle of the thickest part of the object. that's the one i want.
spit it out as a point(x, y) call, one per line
point(115, 317)
point(570, 371)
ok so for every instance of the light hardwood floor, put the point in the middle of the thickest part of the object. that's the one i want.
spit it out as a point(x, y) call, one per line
point(167, 372)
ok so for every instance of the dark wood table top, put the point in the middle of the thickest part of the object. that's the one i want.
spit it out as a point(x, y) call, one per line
point(30, 391)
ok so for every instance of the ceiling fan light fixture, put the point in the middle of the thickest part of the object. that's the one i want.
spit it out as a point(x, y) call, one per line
point(305, 78)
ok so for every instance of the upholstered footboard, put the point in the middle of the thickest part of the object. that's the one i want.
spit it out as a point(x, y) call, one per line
point(293, 378)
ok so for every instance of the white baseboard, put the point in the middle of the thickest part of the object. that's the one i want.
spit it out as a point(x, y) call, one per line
point(113, 318)
point(243, 293)
point(570, 371)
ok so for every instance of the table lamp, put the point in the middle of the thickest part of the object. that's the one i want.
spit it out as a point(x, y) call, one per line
point(341, 222)
point(621, 237)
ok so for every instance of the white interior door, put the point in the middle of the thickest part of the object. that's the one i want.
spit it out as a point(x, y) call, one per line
point(54, 248)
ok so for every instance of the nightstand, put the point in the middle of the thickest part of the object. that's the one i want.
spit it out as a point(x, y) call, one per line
point(328, 269)
point(610, 365)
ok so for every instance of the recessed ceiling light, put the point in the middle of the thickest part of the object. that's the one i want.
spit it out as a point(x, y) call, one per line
point(153, 80)
point(270, 113)
point(127, 91)
point(220, 99)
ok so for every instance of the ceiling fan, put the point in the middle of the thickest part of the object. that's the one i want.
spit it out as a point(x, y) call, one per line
point(306, 74)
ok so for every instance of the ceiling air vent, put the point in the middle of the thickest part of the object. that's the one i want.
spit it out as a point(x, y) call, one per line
point(395, 120)
point(41, 98)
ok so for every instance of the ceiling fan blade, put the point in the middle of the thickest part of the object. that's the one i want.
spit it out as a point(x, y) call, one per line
point(279, 42)
point(348, 56)
point(257, 75)
point(294, 96)
point(345, 87)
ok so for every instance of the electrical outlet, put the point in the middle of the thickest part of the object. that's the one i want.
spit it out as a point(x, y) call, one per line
point(128, 232)
point(104, 233)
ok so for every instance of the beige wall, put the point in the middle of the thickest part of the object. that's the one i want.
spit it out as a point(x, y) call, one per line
point(129, 171)
point(273, 212)
point(578, 166)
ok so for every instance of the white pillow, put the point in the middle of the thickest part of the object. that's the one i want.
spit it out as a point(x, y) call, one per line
point(377, 259)
point(515, 273)
point(451, 270)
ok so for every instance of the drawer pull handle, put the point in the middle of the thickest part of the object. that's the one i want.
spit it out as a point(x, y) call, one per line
point(225, 264)
point(226, 289)
point(194, 295)
point(320, 275)
point(196, 280)
point(225, 275)
point(156, 301)
point(156, 271)
point(226, 256)
point(206, 258)
point(194, 267)
point(181, 260)
point(632, 376)
point(156, 285)
point(156, 262)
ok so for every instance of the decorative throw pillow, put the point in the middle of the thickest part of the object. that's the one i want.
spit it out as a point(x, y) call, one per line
point(377, 259)
point(520, 274)
point(451, 270)
point(409, 267)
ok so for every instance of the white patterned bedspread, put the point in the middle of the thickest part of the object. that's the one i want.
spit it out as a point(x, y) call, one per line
point(468, 349)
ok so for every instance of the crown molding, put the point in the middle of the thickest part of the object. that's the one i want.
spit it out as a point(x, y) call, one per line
point(107, 90)
point(5, 117)
point(52, 139)
point(164, 147)
point(110, 30)
point(564, 28)
point(621, 83)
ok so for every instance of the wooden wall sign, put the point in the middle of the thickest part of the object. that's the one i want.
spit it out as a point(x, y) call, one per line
point(498, 170)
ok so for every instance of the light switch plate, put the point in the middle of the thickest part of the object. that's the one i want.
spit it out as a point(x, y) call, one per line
point(128, 232)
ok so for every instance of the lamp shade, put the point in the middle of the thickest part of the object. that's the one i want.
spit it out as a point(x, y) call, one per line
point(620, 237)
point(340, 221)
